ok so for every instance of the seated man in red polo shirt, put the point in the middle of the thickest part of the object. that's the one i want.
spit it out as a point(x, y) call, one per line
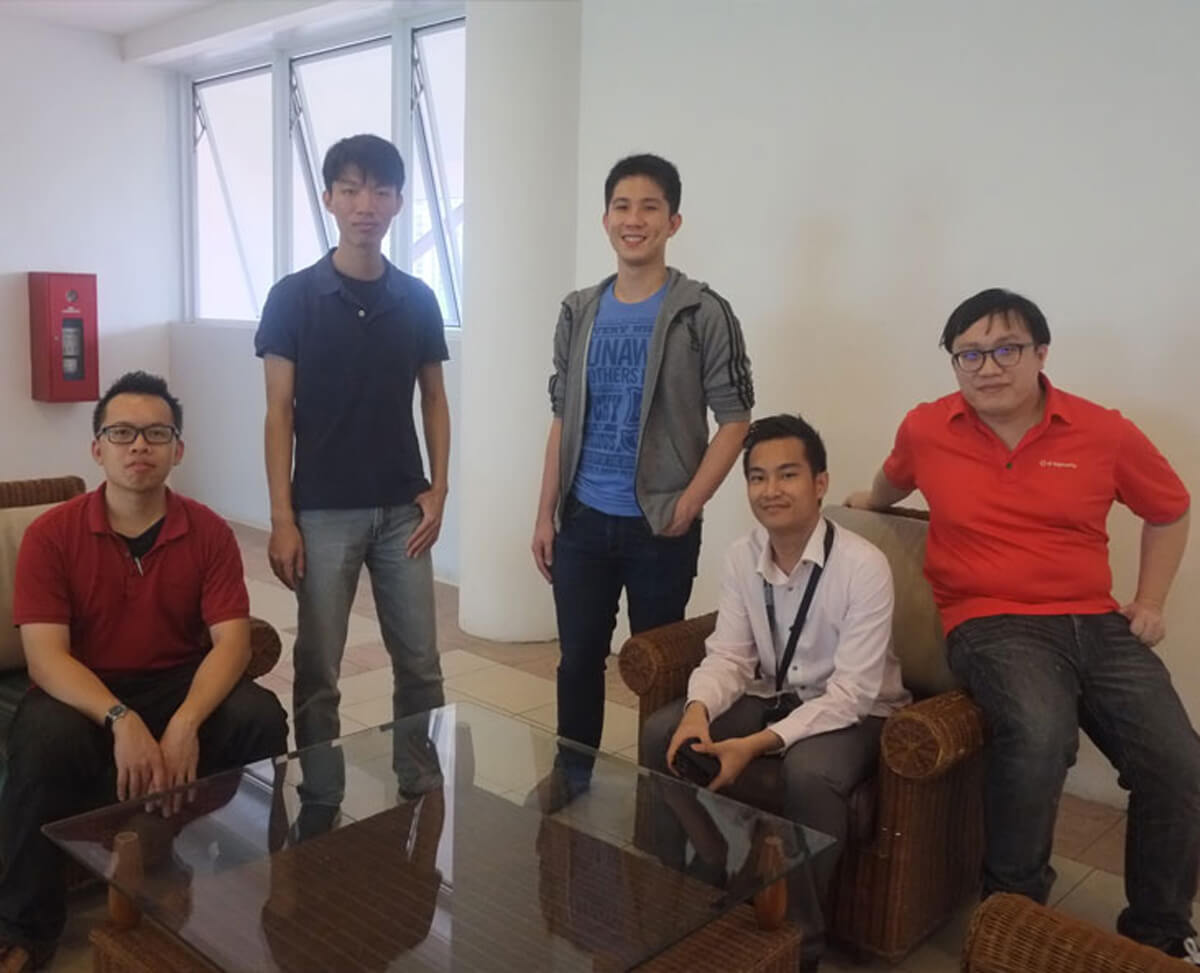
point(1019, 477)
point(114, 592)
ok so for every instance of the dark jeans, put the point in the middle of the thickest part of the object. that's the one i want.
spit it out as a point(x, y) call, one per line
point(595, 556)
point(60, 763)
point(1038, 679)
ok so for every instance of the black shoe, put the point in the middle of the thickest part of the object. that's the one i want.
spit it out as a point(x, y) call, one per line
point(418, 770)
point(1187, 950)
point(313, 820)
point(556, 790)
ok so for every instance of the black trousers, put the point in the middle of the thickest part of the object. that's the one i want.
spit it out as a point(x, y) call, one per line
point(60, 763)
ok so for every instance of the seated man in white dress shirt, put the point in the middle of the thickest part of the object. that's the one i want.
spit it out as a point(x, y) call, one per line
point(811, 687)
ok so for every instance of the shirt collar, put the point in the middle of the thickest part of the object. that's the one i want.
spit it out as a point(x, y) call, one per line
point(1057, 406)
point(330, 282)
point(175, 523)
point(814, 553)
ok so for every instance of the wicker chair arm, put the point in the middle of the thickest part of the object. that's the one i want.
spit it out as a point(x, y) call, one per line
point(1012, 934)
point(32, 493)
point(923, 741)
point(657, 662)
point(265, 647)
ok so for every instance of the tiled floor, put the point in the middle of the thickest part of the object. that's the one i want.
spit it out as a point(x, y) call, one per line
point(518, 679)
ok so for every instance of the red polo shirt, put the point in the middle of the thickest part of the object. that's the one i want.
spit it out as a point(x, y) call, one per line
point(1023, 531)
point(74, 570)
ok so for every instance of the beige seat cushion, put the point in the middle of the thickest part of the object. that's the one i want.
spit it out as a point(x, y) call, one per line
point(916, 628)
point(13, 521)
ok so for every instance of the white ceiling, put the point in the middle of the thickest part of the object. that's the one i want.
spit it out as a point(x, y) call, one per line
point(107, 16)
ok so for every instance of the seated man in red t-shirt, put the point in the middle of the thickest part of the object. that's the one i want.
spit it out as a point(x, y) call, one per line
point(114, 593)
point(1019, 477)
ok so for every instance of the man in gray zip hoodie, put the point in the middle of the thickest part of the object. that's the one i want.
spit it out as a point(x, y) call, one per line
point(638, 361)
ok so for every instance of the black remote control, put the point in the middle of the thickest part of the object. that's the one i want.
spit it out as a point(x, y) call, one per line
point(691, 765)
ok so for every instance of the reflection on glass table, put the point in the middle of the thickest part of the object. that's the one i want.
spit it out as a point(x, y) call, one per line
point(436, 858)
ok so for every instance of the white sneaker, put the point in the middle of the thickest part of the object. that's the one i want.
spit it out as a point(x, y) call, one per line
point(1192, 952)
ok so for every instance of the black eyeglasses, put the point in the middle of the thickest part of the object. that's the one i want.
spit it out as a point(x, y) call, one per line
point(123, 434)
point(1006, 356)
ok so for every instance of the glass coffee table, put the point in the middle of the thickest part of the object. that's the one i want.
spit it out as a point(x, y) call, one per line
point(441, 857)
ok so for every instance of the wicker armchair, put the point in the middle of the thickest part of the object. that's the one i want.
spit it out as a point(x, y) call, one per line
point(1013, 934)
point(915, 844)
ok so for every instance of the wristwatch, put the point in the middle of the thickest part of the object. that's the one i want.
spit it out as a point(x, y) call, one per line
point(114, 714)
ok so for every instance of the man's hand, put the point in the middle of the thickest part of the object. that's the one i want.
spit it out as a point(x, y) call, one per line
point(1145, 622)
point(180, 748)
point(285, 551)
point(543, 546)
point(686, 511)
point(859, 500)
point(693, 724)
point(139, 759)
point(736, 753)
point(432, 503)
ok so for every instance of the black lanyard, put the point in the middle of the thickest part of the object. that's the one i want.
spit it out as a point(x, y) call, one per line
point(789, 650)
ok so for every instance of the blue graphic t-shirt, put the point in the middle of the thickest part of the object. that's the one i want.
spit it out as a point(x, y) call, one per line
point(616, 370)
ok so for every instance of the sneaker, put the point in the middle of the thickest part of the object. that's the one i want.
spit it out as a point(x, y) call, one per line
point(1187, 950)
point(555, 791)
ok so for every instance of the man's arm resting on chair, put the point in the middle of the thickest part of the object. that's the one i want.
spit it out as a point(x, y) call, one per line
point(883, 494)
point(139, 760)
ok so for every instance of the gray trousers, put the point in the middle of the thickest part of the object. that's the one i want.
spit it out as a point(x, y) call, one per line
point(820, 772)
point(337, 543)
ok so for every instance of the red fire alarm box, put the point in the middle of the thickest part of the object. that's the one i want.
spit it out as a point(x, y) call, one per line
point(62, 337)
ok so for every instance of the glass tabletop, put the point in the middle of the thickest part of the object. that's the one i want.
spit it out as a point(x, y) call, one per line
point(445, 853)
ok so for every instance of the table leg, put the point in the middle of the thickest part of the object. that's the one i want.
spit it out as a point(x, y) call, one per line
point(127, 870)
point(770, 905)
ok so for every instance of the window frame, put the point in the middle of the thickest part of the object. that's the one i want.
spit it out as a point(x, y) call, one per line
point(398, 30)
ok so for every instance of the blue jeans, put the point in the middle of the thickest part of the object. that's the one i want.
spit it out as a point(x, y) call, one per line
point(1038, 679)
point(337, 543)
point(595, 556)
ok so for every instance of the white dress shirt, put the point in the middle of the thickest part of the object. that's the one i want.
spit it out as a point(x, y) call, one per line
point(844, 669)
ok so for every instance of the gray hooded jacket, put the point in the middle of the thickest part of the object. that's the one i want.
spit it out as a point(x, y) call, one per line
point(696, 361)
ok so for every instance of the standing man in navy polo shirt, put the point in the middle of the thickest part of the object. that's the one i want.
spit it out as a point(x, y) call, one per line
point(639, 360)
point(344, 343)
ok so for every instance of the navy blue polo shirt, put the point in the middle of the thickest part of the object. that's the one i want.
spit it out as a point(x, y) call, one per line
point(356, 370)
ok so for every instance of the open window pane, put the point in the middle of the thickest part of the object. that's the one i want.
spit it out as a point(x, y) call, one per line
point(439, 125)
point(337, 94)
point(233, 195)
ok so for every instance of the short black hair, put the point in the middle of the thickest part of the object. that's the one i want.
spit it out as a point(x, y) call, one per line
point(785, 426)
point(996, 301)
point(138, 383)
point(374, 157)
point(655, 168)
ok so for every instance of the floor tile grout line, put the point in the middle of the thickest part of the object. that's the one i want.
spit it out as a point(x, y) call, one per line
point(1083, 878)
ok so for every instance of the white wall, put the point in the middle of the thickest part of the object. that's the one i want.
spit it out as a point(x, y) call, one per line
point(89, 182)
point(851, 171)
point(214, 369)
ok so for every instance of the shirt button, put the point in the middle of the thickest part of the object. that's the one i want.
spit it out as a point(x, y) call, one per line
point(362, 313)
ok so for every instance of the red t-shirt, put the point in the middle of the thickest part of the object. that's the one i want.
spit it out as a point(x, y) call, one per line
point(1024, 531)
point(127, 615)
